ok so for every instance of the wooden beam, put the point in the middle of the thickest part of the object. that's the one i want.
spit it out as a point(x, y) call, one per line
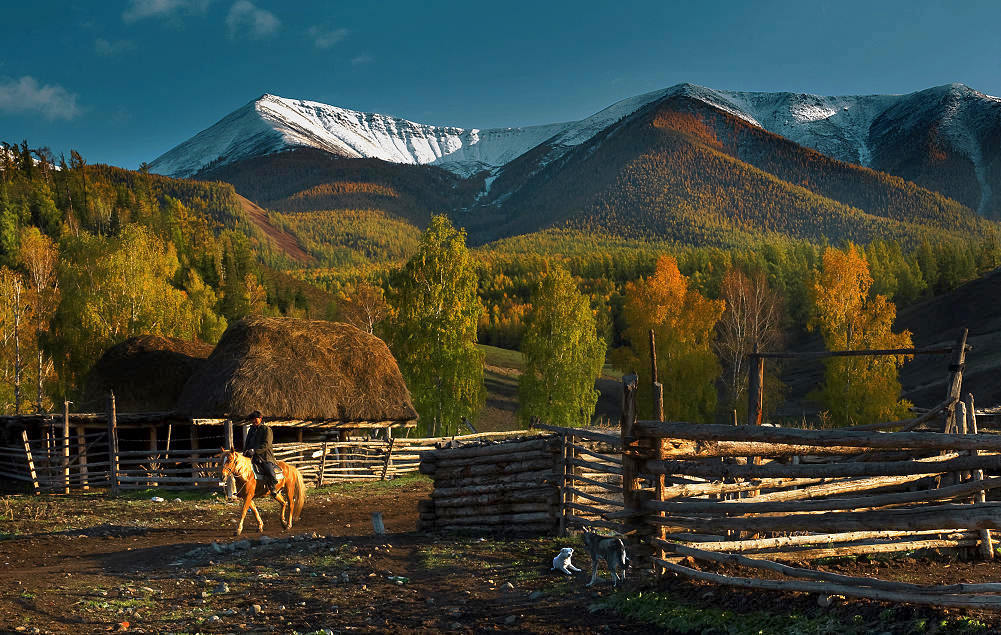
point(939, 350)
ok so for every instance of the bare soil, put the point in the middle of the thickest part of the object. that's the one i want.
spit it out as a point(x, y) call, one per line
point(91, 563)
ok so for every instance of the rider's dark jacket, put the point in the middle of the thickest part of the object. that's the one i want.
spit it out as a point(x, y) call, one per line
point(259, 439)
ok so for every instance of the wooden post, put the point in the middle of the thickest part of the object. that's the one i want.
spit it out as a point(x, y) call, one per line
point(298, 435)
point(81, 441)
point(631, 449)
point(565, 484)
point(31, 461)
point(193, 439)
point(66, 447)
point(228, 440)
point(323, 464)
point(755, 398)
point(986, 543)
point(389, 457)
point(658, 388)
point(166, 450)
point(154, 443)
point(112, 444)
point(955, 384)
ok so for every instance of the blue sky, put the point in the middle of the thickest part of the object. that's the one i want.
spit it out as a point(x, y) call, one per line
point(124, 81)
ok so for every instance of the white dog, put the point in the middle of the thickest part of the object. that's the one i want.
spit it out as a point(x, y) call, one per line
point(562, 562)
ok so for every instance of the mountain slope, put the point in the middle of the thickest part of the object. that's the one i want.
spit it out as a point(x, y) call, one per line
point(946, 138)
point(683, 170)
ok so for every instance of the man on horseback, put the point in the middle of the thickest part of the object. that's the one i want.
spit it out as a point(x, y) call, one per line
point(258, 448)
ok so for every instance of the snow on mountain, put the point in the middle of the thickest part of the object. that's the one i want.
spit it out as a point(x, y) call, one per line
point(843, 127)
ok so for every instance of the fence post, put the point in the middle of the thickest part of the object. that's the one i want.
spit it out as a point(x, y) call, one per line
point(631, 448)
point(565, 483)
point(112, 444)
point(228, 438)
point(31, 461)
point(66, 447)
point(986, 543)
point(81, 441)
point(389, 456)
point(755, 399)
point(658, 413)
point(323, 464)
point(955, 384)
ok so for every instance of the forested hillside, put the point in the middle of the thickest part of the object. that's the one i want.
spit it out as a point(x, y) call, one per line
point(91, 255)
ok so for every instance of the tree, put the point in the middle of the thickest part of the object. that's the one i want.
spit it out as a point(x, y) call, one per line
point(862, 389)
point(683, 321)
point(364, 306)
point(433, 335)
point(15, 316)
point(563, 354)
point(40, 258)
point(752, 319)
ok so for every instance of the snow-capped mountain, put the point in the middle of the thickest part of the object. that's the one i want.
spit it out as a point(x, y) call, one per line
point(900, 134)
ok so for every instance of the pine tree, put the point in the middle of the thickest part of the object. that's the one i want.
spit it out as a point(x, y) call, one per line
point(563, 354)
point(433, 335)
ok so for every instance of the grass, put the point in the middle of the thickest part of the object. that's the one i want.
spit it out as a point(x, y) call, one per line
point(168, 494)
point(502, 357)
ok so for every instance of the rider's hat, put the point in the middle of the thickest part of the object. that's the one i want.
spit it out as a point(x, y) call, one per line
point(255, 415)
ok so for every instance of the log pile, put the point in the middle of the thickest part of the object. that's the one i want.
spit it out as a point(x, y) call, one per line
point(509, 487)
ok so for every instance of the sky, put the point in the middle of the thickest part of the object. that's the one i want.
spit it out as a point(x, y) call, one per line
point(124, 81)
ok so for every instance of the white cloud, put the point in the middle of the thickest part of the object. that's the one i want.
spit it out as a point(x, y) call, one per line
point(142, 9)
point(246, 18)
point(25, 95)
point(107, 48)
point(361, 59)
point(325, 37)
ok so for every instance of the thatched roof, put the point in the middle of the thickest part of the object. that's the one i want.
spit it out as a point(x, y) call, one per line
point(299, 369)
point(147, 373)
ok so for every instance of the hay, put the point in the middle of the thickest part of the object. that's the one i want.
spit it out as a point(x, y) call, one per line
point(299, 369)
point(147, 373)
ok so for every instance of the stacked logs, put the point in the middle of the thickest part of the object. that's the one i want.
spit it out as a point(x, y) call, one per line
point(507, 487)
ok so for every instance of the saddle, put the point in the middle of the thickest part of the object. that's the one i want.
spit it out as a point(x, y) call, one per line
point(278, 475)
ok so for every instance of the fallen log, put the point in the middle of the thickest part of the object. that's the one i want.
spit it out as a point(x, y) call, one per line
point(711, 542)
point(825, 576)
point(988, 602)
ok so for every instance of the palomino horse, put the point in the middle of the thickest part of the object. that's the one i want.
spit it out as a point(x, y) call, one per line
point(242, 470)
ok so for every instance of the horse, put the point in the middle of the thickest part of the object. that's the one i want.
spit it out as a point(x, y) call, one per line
point(241, 468)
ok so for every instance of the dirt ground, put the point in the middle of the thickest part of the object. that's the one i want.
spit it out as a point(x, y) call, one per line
point(90, 563)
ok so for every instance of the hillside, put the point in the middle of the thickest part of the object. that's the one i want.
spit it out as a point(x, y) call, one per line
point(682, 170)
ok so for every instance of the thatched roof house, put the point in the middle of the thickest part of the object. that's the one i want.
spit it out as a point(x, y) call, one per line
point(300, 372)
point(147, 373)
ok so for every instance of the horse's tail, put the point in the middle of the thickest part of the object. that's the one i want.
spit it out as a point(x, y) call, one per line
point(300, 495)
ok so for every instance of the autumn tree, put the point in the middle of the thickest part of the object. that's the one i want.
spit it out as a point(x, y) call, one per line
point(683, 322)
point(752, 318)
point(363, 306)
point(39, 256)
point(862, 389)
point(433, 335)
point(563, 354)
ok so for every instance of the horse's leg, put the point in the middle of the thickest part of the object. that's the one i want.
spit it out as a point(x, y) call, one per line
point(246, 505)
point(289, 486)
point(260, 523)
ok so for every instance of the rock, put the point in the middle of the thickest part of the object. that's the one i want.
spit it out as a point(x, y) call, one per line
point(157, 499)
point(364, 587)
point(222, 588)
point(507, 586)
point(147, 589)
point(215, 619)
point(177, 500)
point(256, 609)
point(536, 595)
point(510, 619)
point(826, 601)
point(490, 582)
point(298, 570)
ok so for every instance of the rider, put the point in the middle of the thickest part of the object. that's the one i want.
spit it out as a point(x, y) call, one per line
point(258, 448)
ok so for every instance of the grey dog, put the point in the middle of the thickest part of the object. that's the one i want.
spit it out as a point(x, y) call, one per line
point(612, 550)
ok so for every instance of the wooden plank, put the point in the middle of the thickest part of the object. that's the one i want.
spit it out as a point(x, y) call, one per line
point(113, 443)
point(66, 446)
point(612, 487)
point(604, 437)
point(986, 542)
point(934, 350)
point(785, 542)
point(604, 457)
point(595, 466)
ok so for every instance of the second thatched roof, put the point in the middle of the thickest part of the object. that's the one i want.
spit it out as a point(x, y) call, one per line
point(299, 369)
point(146, 373)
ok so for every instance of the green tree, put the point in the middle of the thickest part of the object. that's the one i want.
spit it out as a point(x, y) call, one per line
point(563, 354)
point(433, 334)
point(862, 389)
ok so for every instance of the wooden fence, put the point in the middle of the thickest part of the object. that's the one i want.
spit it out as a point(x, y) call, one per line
point(61, 463)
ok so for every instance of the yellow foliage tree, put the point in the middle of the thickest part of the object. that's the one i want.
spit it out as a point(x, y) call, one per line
point(857, 389)
point(683, 322)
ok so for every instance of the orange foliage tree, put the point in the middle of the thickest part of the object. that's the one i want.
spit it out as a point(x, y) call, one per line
point(683, 321)
point(857, 389)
